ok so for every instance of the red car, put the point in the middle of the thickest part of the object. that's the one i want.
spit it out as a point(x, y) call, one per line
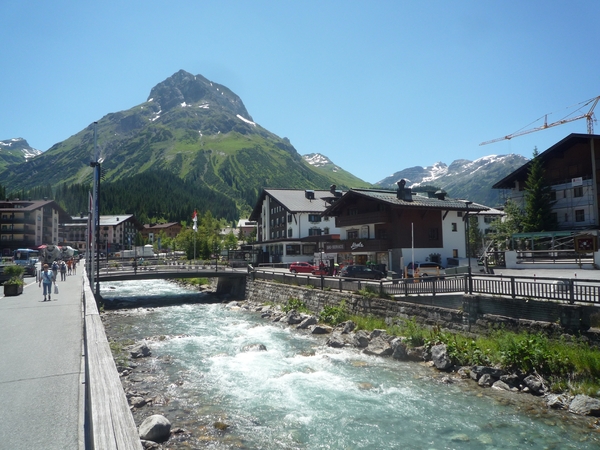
point(302, 267)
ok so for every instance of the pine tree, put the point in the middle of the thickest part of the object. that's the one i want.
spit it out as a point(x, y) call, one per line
point(538, 204)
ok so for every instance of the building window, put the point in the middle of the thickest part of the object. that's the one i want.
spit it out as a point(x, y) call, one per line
point(455, 253)
point(578, 191)
point(554, 217)
point(314, 232)
point(353, 211)
point(433, 234)
point(289, 232)
point(292, 249)
point(314, 218)
point(459, 213)
point(553, 195)
point(289, 217)
point(352, 234)
point(454, 226)
point(364, 232)
point(579, 215)
point(325, 230)
point(309, 249)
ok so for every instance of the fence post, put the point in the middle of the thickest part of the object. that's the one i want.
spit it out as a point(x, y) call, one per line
point(571, 291)
point(340, 283)
point(381, 288)
point(513, 292)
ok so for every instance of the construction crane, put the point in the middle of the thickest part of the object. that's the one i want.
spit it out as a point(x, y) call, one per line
point(589, 116)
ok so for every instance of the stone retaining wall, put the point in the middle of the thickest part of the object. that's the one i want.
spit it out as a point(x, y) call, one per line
point(458, 311)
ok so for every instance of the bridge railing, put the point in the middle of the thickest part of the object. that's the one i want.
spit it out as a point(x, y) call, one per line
point(570, 290)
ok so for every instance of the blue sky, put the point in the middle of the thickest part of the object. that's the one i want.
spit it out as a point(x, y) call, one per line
point(377, 86)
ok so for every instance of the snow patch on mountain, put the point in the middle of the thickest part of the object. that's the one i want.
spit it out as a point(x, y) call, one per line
point(17, 145)
point(318, 160)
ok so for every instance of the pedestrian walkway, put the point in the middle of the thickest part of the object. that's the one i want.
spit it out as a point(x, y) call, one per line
point(42, 368)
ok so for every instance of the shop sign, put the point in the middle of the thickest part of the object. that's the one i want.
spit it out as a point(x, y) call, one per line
point(356, 245)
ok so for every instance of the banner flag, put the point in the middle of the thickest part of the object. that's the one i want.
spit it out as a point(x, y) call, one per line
point(195, 219)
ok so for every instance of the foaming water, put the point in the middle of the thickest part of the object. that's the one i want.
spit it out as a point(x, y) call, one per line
point(300, 394)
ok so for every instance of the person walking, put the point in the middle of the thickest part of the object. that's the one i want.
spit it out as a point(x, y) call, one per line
point(63, 271)
point(55, 269)
point(47, 277)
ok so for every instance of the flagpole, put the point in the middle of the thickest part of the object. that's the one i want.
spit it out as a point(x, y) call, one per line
point(195, 228)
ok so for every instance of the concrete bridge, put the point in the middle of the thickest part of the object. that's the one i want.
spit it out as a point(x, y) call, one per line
point(154, 272)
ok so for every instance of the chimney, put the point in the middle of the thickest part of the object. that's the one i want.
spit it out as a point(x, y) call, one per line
point(309, 194)
point(441, 194)
point(332, 188)
point(403, 192)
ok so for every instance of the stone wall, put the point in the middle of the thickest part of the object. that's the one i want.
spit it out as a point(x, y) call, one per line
point(459, 311)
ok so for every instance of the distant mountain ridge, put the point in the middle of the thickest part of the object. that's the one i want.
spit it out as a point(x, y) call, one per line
point(463, 178)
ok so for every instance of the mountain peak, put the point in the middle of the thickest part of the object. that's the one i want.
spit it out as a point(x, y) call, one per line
point(182, 89)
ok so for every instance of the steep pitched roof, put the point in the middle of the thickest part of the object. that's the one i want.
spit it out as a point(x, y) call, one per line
point(296, 201)
point(420, 202)
point(560, 147)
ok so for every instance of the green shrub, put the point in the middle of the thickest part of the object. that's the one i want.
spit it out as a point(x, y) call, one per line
point(295, 304)
point(334, 315)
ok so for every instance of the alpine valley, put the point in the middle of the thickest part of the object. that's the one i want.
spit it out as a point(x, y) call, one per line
point(193, 145)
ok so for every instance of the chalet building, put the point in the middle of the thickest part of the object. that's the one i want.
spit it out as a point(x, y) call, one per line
point(291, 225)
point(486, 217)
point(152, 232)
point(29, 224)
point(116, 233)
point(571, 168)
point(388, 227)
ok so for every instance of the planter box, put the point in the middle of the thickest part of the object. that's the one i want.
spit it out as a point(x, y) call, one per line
point(12, 290)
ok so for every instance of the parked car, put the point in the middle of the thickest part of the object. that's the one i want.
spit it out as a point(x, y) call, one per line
point(302, 267)
point(357, 271)
point(426, 269)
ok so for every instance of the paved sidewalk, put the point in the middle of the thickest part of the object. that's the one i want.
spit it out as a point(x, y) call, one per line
point(41, 368)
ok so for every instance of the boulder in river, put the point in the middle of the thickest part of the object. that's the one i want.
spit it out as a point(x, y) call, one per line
point(155, 428)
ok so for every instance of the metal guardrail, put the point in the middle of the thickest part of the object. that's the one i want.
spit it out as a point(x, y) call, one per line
point(563, 290)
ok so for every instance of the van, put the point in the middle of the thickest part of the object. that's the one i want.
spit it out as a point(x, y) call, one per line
point(425, 269)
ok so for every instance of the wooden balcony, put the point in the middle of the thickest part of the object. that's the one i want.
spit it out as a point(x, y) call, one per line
point(363, 219)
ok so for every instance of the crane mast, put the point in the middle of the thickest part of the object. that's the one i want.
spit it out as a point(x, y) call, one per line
point(589, 116)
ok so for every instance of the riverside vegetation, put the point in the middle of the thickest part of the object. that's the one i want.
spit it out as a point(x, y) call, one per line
point(568, 363)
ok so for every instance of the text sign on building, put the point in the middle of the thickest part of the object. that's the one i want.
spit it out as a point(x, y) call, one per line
point(577, 181)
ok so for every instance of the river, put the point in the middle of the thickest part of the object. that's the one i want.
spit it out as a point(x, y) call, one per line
point(301, 394)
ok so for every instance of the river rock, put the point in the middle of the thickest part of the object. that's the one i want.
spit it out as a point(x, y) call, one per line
point(440, 358)
point(378, 347)
point(398, 349)
point(155, 428)
point(485, 380)
point(321, 329)
point(585, 406)
point(292, 318)
point(137, 402)
point(503, 386)
point(254, 348)
point(140, 351)
point(476, 371)
point(535, 385)
point(378, 333)
point(361, 339)
point(310, 320)
point(558, 401)
point(417, 354)
point(336, 340)
point(348, 327)
point(150, 445)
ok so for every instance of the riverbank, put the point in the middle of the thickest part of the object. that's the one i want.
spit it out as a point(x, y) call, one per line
point(157, 385)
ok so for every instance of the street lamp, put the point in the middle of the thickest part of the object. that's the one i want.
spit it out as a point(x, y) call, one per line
point(467, 203)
